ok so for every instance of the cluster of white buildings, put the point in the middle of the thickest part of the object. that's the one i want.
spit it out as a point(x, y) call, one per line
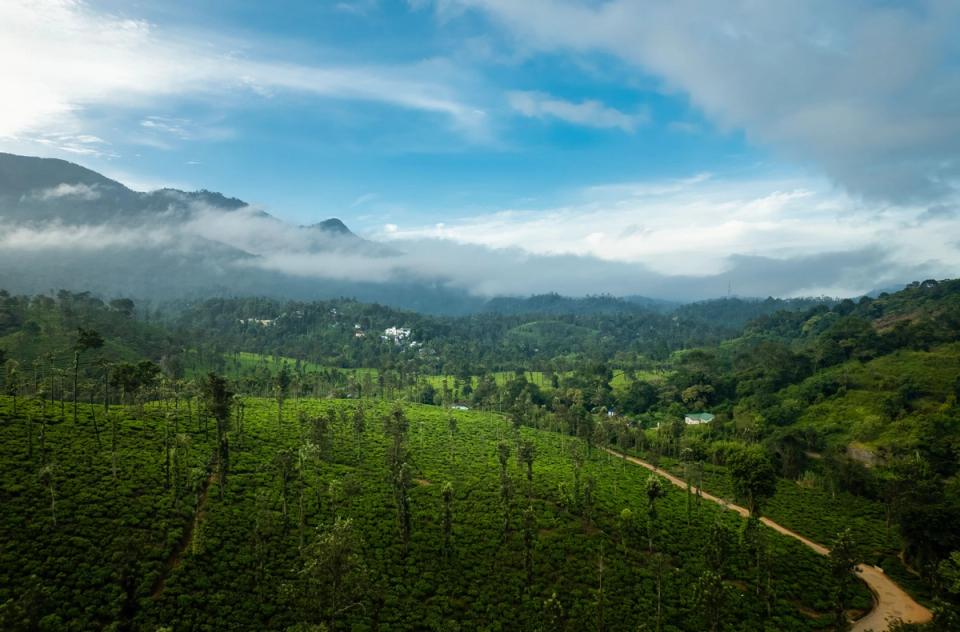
point(396, 334)
point(263, 322)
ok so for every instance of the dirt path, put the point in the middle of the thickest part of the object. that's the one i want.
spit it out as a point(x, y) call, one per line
point(890, 601)
point(177, 554)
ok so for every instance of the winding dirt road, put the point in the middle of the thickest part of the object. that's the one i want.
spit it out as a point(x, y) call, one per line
point(890, 601)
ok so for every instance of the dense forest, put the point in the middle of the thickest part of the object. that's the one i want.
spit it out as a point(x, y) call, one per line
point(259, 464)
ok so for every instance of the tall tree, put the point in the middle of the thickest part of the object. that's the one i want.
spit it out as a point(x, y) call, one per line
point(753, 477)
point(281, 387)
point(526, 455)
point(506, 485)
point(655, 491)
point(334, 570)
point(452, 429)
point(395, 426)
point(86, 339)
point(284, 462)
point(181, 464)
point(359, 426)
point(47, 474)
point(402, 482)
point(12, 382)
point(529, 539)
point(447, 493)
point(842, 564)
point(217, 401)
point(710, 595)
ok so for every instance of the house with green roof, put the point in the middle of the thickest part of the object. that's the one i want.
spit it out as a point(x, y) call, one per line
point(695, 419)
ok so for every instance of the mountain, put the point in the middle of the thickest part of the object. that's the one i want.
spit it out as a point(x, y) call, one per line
point(333, 226)
point(63, 226)
point(69, 227)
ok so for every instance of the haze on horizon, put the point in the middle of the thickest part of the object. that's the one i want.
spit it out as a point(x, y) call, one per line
point(623, 146)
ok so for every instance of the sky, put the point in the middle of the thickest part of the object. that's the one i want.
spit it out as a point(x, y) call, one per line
point(811, 144)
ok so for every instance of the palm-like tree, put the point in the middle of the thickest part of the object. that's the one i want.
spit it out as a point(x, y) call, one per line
point(86, 339)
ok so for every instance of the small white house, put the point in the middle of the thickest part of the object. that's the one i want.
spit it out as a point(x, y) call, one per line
point(695, 419)
point(397, 334)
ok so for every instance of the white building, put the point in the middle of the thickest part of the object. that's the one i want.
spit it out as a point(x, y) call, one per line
point(397, 334)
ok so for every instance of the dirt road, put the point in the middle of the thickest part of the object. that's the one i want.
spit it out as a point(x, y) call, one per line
point(890, 601)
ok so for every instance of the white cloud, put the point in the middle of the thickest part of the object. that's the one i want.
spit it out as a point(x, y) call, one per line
point(698, 226)
point(78, 144)
point(364, 199)
point(86, 238)
point(174, 126)
point(686, 239)
point(77, 191)
point(589, 113)
point(866, 90)
point(62, 57)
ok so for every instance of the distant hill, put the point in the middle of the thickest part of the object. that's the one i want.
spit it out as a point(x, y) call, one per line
point(68, 227)
point(552, 304)
point(86, 232)
point(736, 312)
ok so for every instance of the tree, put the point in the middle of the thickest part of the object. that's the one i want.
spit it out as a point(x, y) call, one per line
point(402, 482)
point(86, 339)
point(526, 455)
point(625, 524)
point(123, 305)
point(754, 543)
point(842, 565)
point(710, 594)
point(716, 551)
point(947, 607)
point(506, 485)
point(320, 428)
point(452, 428)
point(47, 473)
point(181, 464)
point(12, 382)
point(218, 400)
point(753, 477)
point(395, 426)
point(334, 570)
point(553, 613)
point(600, 594)
point(576, 457)
point(284, 462)
point(655, 491)
point(281, 387)
point(926, 514)
point(359, 426)
point(447, 493)
point(529, 538)
point(639, 397)
point(307, 453)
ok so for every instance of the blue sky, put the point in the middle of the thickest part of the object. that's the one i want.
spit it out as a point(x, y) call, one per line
point(638, 131)
point(307, 158)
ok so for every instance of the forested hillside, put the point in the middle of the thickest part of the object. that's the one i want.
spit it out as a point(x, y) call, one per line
point(837, 419)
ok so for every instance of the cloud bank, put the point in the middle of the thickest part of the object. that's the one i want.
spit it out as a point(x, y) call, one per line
point(687, 239)
point(867, 91)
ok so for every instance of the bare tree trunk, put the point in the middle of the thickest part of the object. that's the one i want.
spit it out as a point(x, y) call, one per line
point(76, 371)
point(53, 503)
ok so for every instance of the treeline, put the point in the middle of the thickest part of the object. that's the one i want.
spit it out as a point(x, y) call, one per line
point(349, 334)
